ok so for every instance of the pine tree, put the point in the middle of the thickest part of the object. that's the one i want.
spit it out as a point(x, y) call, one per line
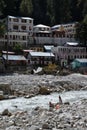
point(51, 11)
point(2, 5)
point(2, 29)
point(26, 7)
point(65, 12)
point(81, 32)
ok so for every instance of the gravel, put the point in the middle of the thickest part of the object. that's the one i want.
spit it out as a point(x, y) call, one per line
point(67, 116)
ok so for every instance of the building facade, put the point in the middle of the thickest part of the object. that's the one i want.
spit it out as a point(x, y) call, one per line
point(22, 30)
point(40, 58)
point(66, 54)
point(19, 29)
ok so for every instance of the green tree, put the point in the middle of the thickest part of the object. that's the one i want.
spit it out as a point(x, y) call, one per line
point(18, 49)
point(51, 11)
point(40, 11)
point(81, 32)
point(2, 5)
point(65, 11)
point(10, 7)
point(26, 7)
point(2, 29)
point(85, 8)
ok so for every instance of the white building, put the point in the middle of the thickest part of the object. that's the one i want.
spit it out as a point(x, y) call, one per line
point(20, 30)
point(66, 54)
point(64, 33)
point(42, 34)
point(20, 24)
point(56, 35)
point(40, 58)
point(69, 29)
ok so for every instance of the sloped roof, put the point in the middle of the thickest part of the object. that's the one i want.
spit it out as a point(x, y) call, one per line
point(83, 60)
point(27, 50)
point(55, 26)
point(9, 52)
point(14, 57)
point(72, 43)
point(21, 17)
point(48, 47)
point(41, 25)
point(44, 54)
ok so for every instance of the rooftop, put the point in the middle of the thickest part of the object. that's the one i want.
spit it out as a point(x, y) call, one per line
point(82, 60)
point(41, 25)
point(44, 54)
point(14, 57)
point(48, 47)
point(72, 43)
point(21, 17)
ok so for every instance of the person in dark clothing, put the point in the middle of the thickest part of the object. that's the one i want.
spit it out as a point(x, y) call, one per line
point(60, 100)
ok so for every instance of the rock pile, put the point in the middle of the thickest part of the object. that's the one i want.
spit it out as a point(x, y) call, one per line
point(29, 85)
point(66, 117)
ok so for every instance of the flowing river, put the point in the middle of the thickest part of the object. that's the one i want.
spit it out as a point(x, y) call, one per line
point(41, 100)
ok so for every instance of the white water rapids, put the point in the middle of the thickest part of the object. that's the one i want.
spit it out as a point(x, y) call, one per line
point(40, 100)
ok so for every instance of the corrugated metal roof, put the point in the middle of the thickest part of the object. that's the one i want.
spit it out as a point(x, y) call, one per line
point(44, 54)
point(43, 32)
point(72, 43)
point(55, 26)
point(5, 52)
point(20, 17)
point(41, 25)
point(14, 57)
point(84, 60)
point(48, 47)
point(27, 50)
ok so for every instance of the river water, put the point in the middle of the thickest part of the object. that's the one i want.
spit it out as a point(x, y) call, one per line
point(40, 100)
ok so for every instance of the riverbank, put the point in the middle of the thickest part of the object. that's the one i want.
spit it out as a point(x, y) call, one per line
point(31, 85)
point(67, 116)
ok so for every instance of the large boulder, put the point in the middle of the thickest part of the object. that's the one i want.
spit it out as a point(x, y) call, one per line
point(6, 88)
point(1, 95)
point(44, 91)
point(6, 113)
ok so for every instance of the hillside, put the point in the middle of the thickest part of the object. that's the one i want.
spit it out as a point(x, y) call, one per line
point(47, 12)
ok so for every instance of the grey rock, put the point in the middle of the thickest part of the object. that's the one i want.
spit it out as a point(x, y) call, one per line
point(6, 112)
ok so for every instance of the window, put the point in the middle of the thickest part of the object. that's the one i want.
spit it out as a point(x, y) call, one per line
point(39, 29)
point(23, 21)
point(13, 37)
point(24, 37)
point(47, 29)
point(10, 36)
point(30, 28)
point(30, 21)
point(23, 27)
point(9, 19)
point(16, 20)
point(5, 36)
point(43, 29)
point(15, 27)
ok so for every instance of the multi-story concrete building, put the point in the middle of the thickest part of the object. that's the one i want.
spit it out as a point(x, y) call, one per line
point(66, 54)
point(56, 35)
point(20, 24)
point(64, 33)
point(19, 29)
point(42, 34)
point(40, 58)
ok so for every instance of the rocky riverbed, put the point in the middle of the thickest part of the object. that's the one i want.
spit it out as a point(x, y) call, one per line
point(65, 117)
